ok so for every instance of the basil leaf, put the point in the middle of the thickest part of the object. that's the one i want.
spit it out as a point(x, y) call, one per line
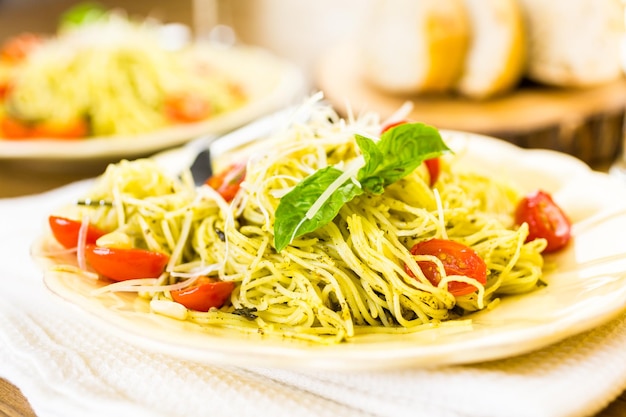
point(398, 152)
point(403, 149)
point(80, 15)
point(290, 218)
point(373, 158)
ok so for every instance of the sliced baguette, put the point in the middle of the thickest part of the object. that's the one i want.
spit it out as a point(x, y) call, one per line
point(415, 46)
point(574, 42)
point(497, 54)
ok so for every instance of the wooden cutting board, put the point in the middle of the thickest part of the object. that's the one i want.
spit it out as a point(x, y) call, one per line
point(587, 123)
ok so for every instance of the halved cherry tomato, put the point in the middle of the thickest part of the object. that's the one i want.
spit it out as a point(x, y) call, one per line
point(228, 182)
point(204, 294)
point(120, 264)
point(13, 128)
point(4, 89)
point(18, 47)
point(392, 125)
point(65, 231)
point(431, 164)
point(74, 129)
point(457, 259)
point(545, 220)
point(187, 108)
point(433, 170)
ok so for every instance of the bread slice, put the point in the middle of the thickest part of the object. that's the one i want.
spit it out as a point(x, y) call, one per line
point(411, 46)
point(574, 42)
point(497, 54)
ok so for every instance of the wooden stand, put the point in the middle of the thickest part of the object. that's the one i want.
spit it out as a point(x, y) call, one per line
point(587, 123)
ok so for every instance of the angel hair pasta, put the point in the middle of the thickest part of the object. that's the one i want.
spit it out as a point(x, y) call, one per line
point(335, 261)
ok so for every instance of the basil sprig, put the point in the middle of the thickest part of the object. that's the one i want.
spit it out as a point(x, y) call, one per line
point(398, 152)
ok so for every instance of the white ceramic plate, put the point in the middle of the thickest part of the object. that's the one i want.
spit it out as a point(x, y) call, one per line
point(586, 289)
point(271, 83)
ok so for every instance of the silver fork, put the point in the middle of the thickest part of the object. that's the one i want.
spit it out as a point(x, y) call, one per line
point(201, 152)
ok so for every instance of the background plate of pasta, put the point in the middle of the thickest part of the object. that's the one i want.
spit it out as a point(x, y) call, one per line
point(114, 88)
point(352, 243)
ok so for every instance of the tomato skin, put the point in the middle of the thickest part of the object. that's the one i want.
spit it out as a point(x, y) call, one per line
point(4, 89)
point(187, 108)
point(228, 182)
point(457, 259)
point(13, 128)
point(432, 164)
point(392, 125)
point(545, 220)
point(204, 294)
point(65, 231)
point(19, 47)
point(74, 129)
point(120, 264)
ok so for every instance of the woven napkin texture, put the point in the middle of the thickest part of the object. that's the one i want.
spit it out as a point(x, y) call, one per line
point(67, 365)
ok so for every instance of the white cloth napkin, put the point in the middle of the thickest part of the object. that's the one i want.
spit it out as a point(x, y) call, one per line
point(68, 366)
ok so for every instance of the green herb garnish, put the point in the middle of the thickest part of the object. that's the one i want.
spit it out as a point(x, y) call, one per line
point(316, 200)
point(82, 14)
point(247, 312)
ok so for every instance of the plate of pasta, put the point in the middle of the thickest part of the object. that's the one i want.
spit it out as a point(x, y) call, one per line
point(116, 89)
point(309, 249)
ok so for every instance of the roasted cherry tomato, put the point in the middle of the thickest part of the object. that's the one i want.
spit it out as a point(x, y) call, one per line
point(12, 128)
point(433, 170)
point(4, 89)
point(18, 47)
point(204, 294)
point(545, 220)
point(227, 182)
point(457, 259)
point(74, 129)
point(187, 108)
point(120, 264)
point(65, 231)
point(431, 164)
